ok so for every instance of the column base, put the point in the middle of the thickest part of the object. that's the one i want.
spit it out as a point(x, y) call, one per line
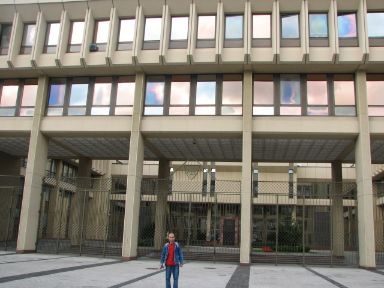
point(25, 251)
point(129, 258)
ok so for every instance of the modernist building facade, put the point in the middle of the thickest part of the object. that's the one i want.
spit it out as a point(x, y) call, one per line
point(192, 84)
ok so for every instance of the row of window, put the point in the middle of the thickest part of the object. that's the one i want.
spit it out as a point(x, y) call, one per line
point(206, 32)
point(213, 94)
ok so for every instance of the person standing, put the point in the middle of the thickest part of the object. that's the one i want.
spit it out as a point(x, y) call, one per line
point(172, 258)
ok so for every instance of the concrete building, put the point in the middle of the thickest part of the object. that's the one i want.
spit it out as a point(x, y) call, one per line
point(248, 127)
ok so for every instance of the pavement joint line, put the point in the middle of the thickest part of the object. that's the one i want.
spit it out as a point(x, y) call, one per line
point(7, 254)
point(32, 260)
point(326, 278)
point(54, 271)
point(135, 279)
point(239, 278)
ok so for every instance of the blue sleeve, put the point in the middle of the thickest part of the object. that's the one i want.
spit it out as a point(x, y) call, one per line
point(181, 256)
point(162, 257)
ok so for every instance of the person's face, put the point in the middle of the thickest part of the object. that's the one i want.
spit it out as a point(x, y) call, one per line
point(171, 237)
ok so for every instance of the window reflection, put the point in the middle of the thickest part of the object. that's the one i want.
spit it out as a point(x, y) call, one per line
point(347, 25)
point(206, 28)
point(317, 93)
point(234, 27)
point(76, 36)
point(232, 95)
point(152, 29)
point(101, 34)
point(261, 26)
point(318, 25)
point(375, 24)
point(29, 95)
point(101, 97)
point(52, 37)
point(290, 92)
point(5, 38)
point(179, 28)
point(205, 93)
point(28, 38)
point(56, 95)
point(263, 92)
point(290, 26)
point(180, 93)
point(125, 93)
point(344, 92)
point(9, 95)
point(154, 93)
point(78, 96)
point(375, 92)
point(126, 34)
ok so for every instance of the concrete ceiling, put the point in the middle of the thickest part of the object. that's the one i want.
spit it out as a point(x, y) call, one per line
point(229, 149)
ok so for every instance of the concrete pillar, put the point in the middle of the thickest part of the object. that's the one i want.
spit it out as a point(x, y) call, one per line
point(135, 174)
point(161, 205)
point(246, 175)
point(364, 178)
point(208, 236)
point(337, 210)
point(37, 158)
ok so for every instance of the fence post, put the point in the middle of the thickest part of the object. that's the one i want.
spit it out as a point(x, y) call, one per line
point(303, 234)
point(277, 229)
point(61, 192)
point(9, 221)
point(107, 221)
point(82, 222)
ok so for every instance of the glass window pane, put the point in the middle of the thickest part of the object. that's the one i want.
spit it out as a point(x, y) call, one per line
point(56, 95)
point(127, 30)
point(290, 26)
point(102, 31)
point(7, 112)
point(76, 111)
point(318, 25)
point(262, 92)
point(180, 93)
point(206, 27)
point(27, 112)
point(125, 93)
point(53, 36)
point(261, 26)
point(232, 92)
point(375, 92)
point(263, 111)
point(154, 93)
point(77, 32)
point(344, 92)
point(179, 29)
point(205, 110)
point(231, 110)
point(153, 111)
point(376, 111)
point(178, 110)
point(293, 111)
point(317, 111)
point(123, 110)
point(234, 27)
point(29, 35)
point(290, 92)
point(100, 111)
point(102, 94)
point(152, 29)
point(9, 96)
point(55, 112)
point(29, 95)
point(78, 95)
point(205, 93)
point(375, 24)
point(317, 93)
point(6, 30)
point(347, 25)
point(345, 111)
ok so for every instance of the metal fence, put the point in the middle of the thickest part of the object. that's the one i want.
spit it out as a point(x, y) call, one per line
point(378, 210)
point(11, 194)
point(316, 224)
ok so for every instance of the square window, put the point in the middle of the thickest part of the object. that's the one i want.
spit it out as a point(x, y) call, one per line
point(206, 31)
point(126, 34)
point(76, 36)
point(347, 29)
point(51, 38)
point(152, 33)
point(290, 26)
point(179, 33)
point(101, 34)
point(375, 25)
point(5, 38)
point(261, 30)
point(233, 31)
point(28, 39)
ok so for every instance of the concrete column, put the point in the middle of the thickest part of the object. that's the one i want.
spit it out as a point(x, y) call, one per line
point(161, 205)
point(208, 237)
point(79, 202)
point(246, 175)
point(337, 210)
point(135, 174)
point(364, 178)
point(37, 158)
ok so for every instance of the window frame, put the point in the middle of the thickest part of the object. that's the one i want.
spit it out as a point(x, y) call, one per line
point(290, 42)
point(206, 42)
point(101, 46)
point(75, 47)
point(178, 43)
point(318, 41)
point(4, 50)
point(24, 48)
point(151, 44)
point(125, 45)
point(233, 42)
point(375, 41)
point(50, 49)
point(262, 42)
point(348, 41)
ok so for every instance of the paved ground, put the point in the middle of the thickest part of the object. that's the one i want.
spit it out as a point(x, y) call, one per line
point(43, 270)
